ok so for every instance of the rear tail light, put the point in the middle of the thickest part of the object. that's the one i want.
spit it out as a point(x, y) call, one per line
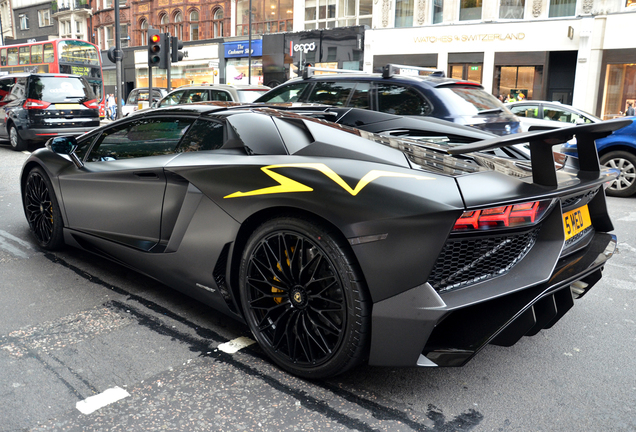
point(512, 216)
point(35, 104)
point(93, 104)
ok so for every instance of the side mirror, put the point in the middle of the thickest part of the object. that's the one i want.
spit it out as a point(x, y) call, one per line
point(65, 145)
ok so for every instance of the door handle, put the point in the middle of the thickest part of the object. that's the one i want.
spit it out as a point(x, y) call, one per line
point(146, 175)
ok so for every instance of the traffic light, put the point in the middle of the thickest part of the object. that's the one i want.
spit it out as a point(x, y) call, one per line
point(157, 49)
point(176, 45)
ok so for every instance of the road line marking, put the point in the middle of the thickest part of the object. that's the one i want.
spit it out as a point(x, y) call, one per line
point(236, 344)
point(96, 402)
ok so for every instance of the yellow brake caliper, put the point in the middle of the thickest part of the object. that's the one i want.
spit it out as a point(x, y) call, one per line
point(278, 300)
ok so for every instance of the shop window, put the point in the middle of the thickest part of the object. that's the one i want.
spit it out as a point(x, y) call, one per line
point(562, 8)
point(466, 71)
point(511, 9)
point(470, 10)
point(630, 4)
point(619, 90)
point(510, 80)
point(438, 11)
point(217, 23)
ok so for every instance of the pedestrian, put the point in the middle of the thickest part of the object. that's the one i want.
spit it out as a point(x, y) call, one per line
point(630, 109)
point(112, 106)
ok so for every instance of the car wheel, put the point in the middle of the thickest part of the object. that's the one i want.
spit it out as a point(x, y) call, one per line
point(17, 143)
point(304, 298)
point(625, 183)
point(42, 210)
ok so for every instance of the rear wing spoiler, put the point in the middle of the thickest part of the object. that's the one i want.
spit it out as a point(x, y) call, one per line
point(541, 156)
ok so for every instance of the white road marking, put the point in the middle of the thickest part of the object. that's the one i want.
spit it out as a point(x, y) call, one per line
point(236, 344)
point(96, 402)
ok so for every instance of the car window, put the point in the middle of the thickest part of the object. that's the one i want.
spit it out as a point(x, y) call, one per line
point(528, 111)
point(400, 100)
point(219, 95)
point(250, 95)
point(59, 89)
point(468, 100)
point(5, 88)
point(132, 97)
point(139, 138)
point(172, 99)
point(332, 93)
point(564, 115)
point(18, 90)
point(203, 135)
point(285, 93)
point(192, 96)
point(360, 96)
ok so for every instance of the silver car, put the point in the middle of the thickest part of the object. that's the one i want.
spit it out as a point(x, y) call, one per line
point(213, 92)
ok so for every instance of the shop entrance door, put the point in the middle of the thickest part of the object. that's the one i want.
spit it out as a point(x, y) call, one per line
point(466, 71)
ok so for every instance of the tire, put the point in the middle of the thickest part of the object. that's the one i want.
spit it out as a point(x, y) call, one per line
point(625, 184)
point(17, 143)
point(42, 210)
point(304, 298)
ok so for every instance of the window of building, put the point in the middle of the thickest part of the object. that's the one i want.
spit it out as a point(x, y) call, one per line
point(24, 21)
point(404, 13)
point(630, 3)
point(340, 13)
point(562, 8)
point(108, 4)
point(438, 11)
point(164, 20)
point(110, 37)
point(194, 25)
point(144, 32)
point(178, 26)
point(510, 80)
point(268, 16)
point(511, 9)
point(78, 27)
point(123, 34)
point(44, 17)
point(470, 10)
point(217, 23)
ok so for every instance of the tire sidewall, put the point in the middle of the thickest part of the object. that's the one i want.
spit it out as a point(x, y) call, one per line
point(353, 346)
point(619, 154)
point(56, 240)
point(19, 144)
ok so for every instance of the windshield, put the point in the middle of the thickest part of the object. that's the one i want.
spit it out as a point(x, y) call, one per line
point(467, 101)
point(248, 96)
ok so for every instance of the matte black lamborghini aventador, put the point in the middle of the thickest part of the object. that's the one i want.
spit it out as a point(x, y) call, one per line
point(335, 245)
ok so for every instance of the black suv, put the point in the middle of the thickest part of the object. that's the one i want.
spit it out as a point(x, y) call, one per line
point(36, 107)
point(462, 102)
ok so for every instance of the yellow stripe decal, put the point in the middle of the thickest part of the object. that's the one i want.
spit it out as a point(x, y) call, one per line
point(287, 185)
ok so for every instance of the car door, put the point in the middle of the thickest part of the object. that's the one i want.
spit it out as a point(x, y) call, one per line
point(118, 194)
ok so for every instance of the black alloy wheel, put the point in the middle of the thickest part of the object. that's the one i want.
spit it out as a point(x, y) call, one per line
point(17, 143)
point(625, 183)
point(303, 298)
point(42, 210)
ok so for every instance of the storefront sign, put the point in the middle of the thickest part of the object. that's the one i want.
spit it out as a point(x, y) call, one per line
point(492, 37)
point(304, 47)
point(240, 49)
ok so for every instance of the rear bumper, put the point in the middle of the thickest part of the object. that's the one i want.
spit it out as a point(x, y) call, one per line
point(46, 133)
point(418, 327)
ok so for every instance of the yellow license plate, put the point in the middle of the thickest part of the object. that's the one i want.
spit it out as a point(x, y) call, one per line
point(66, 106)
point(576, 221)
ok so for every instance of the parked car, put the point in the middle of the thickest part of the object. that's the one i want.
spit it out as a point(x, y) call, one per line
point(335, 245)
point(212, 92)
point(615, 151)
point(138, 99)
point(35, 107)
point(462, 102)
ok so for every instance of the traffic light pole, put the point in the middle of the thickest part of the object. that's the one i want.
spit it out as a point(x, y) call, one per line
point(150, 84)
point(118, 56)
point(169, 64)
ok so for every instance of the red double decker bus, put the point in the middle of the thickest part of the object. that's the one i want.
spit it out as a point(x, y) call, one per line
point(69, 56)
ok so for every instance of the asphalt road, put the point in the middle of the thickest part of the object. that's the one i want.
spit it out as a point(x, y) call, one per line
point(78, 332)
